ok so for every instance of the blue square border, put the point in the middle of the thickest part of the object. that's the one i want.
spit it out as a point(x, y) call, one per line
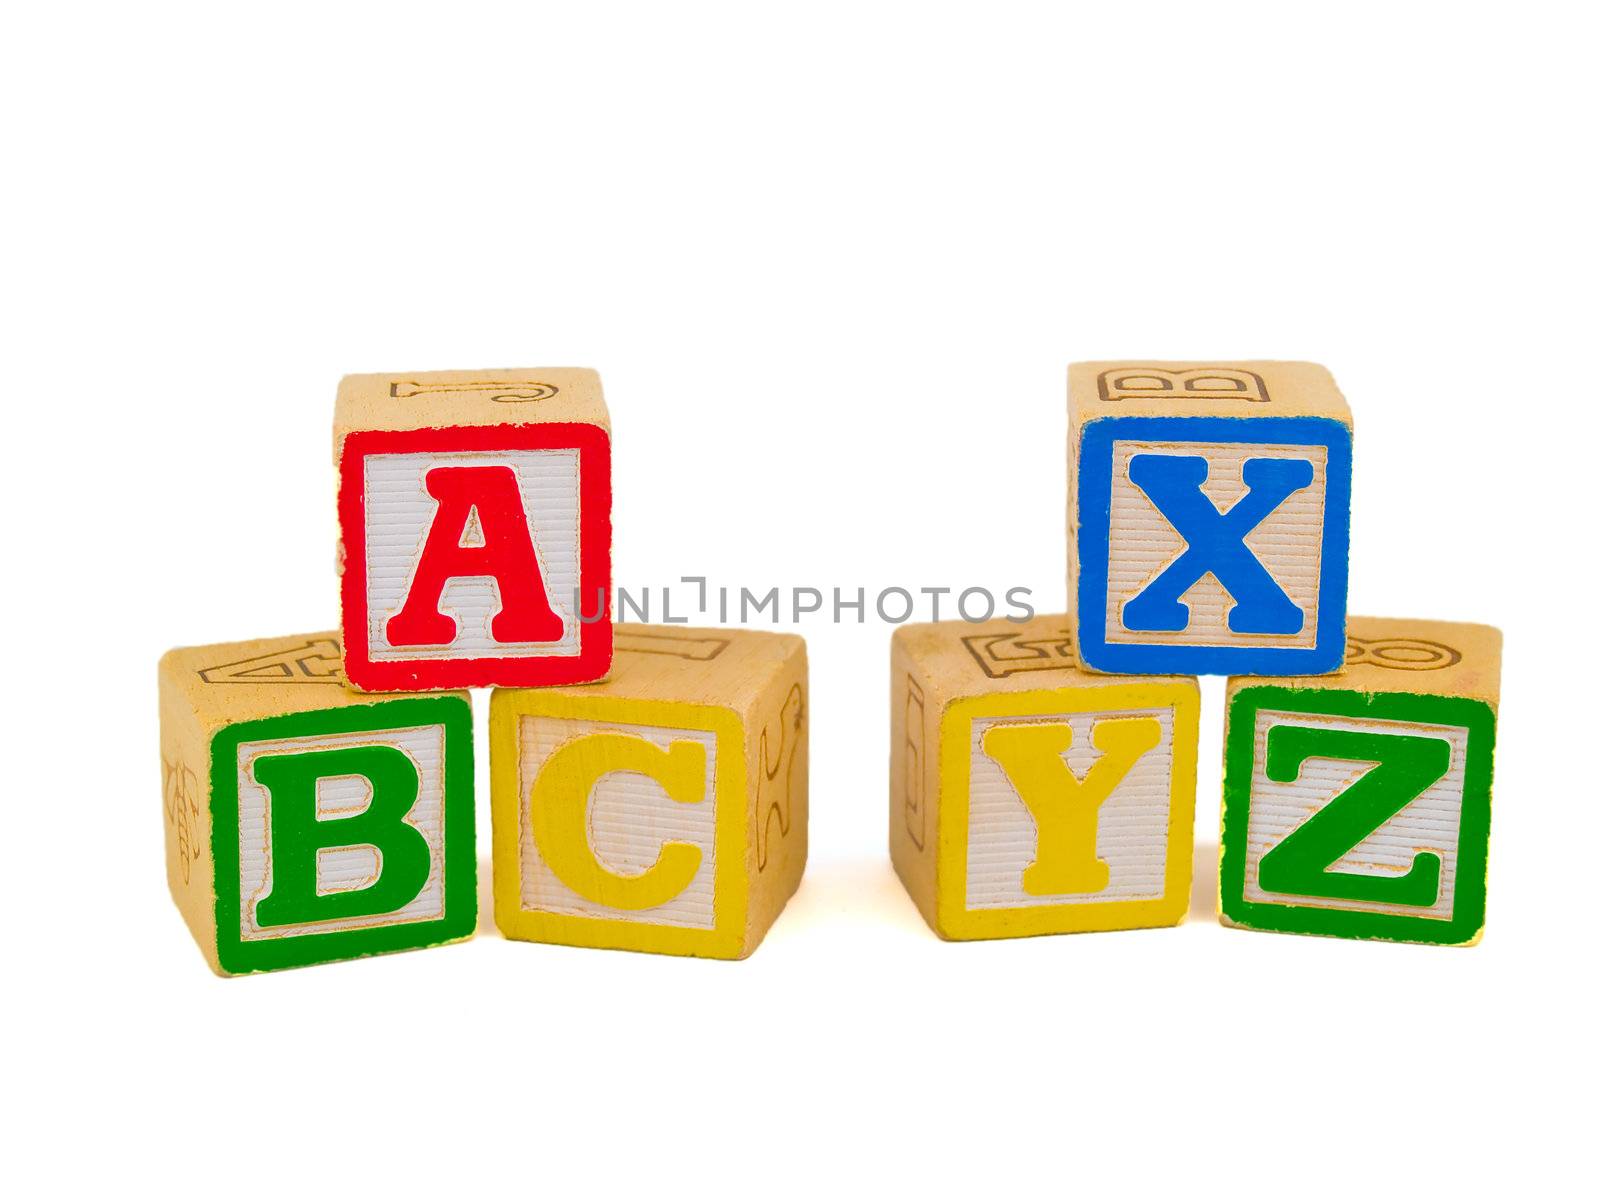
point(1094, 522)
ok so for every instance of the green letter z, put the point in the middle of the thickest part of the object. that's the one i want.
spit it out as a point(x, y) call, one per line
point(1403, 767)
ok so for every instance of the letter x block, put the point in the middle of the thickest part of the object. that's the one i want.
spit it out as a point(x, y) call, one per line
point(661, 810)
point(307, 822)
point(1209, 517)
point(475, 518)
point(1358, 805)
point(1027, 796)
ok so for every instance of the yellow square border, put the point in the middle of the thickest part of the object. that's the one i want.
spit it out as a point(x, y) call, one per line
point(730, 887)
point(955, 920)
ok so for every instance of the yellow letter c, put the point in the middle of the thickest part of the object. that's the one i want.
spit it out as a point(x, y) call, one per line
point(560, 816)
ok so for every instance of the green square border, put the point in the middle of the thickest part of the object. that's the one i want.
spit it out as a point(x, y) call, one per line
point(1472, 855)
point(460, 919)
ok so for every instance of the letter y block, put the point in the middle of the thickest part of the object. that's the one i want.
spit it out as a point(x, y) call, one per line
point(1027, 796)
point(662, 810)
point(1357, 805)
point(305, 821)
point(1208, 517)
point(475, 520)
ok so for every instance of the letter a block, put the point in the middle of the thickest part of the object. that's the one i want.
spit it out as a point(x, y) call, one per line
point(1357, 805)
point(1027, 796)
point(305, 821)
point(1209, 517)
point(662, 810)
point(475, 518)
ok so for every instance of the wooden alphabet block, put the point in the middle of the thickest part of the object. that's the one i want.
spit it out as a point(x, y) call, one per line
point(1027, 796)
point(306, 822)
point(1208, 519)
point(475, 518)
point(661, 810)
point(1357, 804)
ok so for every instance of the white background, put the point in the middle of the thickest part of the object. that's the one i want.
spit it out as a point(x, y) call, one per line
point(831, 261)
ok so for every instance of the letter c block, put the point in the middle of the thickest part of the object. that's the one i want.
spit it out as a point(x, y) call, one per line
point(662, 810)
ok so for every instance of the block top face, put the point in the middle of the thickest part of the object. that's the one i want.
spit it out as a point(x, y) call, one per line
point(726, 667)
point(1389, 654)
point(446, 399)
point(1203, 389)
point(266, 677)
point(960, 658)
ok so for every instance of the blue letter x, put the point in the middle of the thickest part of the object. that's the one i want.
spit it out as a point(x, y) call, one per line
point(1215, 543)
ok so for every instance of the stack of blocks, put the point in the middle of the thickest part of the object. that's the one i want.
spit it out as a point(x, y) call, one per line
point(1042, 775)
point(648, 785)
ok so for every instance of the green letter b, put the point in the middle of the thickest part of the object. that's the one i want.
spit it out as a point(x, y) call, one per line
point(299, 835)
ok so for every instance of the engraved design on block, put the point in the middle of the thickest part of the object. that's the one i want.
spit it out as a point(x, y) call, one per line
point(180, 790)
point(1003, 654)
point(346, 868)
point(317, 661)
point(915, 782)
point(1131, 831)
point(1399, 654)
point(695, 649)
point(630, 816)
point(504, 391)
point(1198, 383)
point(399, 515)
point(1429, 824)
point(1143, 543)
point(774, 800)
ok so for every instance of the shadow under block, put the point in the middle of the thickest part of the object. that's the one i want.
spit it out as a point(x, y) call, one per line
point(1208, 524)
point(306, 822)
point(1357, 805)
point(662, 810)
point(475, 524)
point(1027, 796)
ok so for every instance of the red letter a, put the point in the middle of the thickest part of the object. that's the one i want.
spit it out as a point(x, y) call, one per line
point(506, 555)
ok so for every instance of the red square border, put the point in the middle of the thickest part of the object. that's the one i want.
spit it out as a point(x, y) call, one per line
point(593, 659)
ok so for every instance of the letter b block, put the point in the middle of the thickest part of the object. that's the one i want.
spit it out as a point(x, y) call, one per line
point(1357, 805)
point(475, 518)
point(1027, 796)
point(661, 810)
point(1209, 517)
point(305, 821)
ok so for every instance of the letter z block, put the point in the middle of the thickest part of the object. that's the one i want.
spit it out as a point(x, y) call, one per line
point(475, 518)
point(1027, 796)
point(1357, 805)
point(662, 810)
point(1208, 517)
point(305, 821)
